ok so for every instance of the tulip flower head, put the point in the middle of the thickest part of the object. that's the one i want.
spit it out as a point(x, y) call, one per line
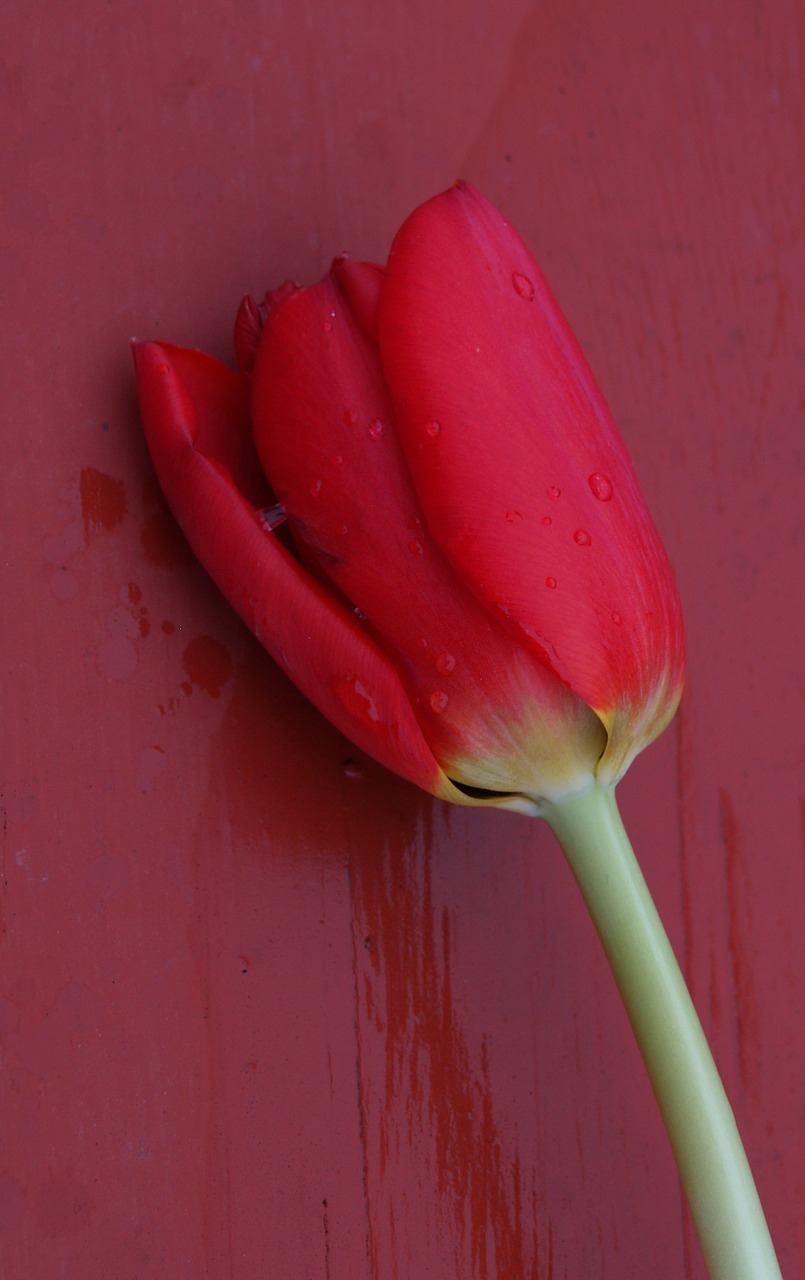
point(415, 496)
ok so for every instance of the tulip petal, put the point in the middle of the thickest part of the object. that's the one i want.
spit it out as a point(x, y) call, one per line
point(361, 283)
point(248, 327)
point(522, 476)
point(494, 715)
point(196, 421)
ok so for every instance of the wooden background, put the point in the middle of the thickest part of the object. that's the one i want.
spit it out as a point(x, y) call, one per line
point(267, 1012)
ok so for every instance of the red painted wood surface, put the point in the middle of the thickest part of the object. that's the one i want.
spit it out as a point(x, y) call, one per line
point(267, 1011)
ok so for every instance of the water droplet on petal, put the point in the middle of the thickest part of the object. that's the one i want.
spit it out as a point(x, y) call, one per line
point(553, 491)
point(546, 520)
point(359, 614)
point(422, 643)
point(601, 486)
point(356, 698)
point(616, 618)
point(550, 583)
point(328, 326)
point(162, 368)
point(271, 517)
point(415, 547)
point(433, 428)
point(352, 769)
point(523, 286)
point(336, 460)
point(377, 428)
point(314, 488)
point(582, 538)
point(514, 516)
point(445, 663)
point(349, 418)
point(439, 700)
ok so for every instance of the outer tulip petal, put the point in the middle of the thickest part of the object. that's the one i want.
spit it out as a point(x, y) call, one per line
point(196, 421)
point(494, 715)
point(522, 476)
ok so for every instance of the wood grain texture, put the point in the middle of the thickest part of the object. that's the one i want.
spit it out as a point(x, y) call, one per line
point(266, 1011)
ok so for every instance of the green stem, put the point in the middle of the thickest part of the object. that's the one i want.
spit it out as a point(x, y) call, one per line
point(710, 1156)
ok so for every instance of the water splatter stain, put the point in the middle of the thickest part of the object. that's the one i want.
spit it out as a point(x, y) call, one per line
point(163, 543)
point(207, 664)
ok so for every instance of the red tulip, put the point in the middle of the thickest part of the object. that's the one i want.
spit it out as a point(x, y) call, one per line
point(473, 590)
point(415, 496)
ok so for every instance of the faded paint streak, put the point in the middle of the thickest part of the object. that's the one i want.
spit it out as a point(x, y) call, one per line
point(739, 929)
point(434, 1097)
point(103, 500)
